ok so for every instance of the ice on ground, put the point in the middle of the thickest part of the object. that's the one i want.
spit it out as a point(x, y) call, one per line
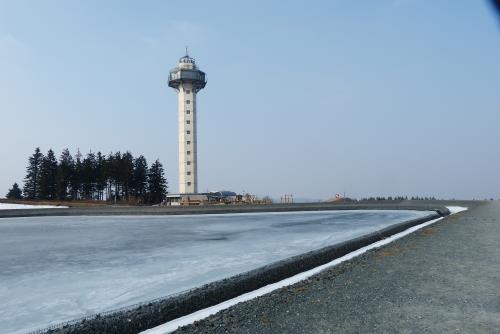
point(173, 325)
point(55, 269)
point(10, 206)
point(456, 209)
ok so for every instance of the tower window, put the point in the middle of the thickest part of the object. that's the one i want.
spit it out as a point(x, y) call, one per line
point(188, 132)
point(188, 122)
point(188, 101)
point(188, 152)
point(188, 91)
point(189, 183)
point(188, 112)
point(188, 173)
point(188, 163)
point(188, 142)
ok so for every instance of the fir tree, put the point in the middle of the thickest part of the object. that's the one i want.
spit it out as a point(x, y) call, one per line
point(32, 179)
point(88, 176)
point(126, 173)
point(100, 175)
point(114, 165)
point(64, 173)
point(157, 184)
point(76, 177)
point(108, 169)
point(140, 179)
point(117, 176)
point(48, 176)
point(15, 192)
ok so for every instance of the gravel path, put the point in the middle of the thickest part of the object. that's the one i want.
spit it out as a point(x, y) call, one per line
point(442, 279)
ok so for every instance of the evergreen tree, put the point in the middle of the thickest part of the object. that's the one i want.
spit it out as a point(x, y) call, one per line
point(88, 176)
point(32, 179)
point(64, 173)
point(15, 192)
point(140, 179)
point(76, 177)
point(157, 184)
point(126, 173)
point(48, 176)
point(114, 165)
point(117, 176)
point(108, 171)
point(100, 175)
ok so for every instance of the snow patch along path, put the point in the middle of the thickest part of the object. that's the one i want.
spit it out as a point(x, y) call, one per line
point(11, 206)
point(172, 325)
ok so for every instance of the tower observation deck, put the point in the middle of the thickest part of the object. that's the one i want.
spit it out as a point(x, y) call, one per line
point(187, 80)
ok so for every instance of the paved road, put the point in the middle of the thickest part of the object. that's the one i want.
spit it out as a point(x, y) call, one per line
point(443, 279)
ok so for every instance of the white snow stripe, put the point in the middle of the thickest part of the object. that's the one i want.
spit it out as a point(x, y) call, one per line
point(11, 206)
point(456, 209)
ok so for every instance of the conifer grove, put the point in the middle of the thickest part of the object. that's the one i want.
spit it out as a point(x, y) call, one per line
point(113, 177)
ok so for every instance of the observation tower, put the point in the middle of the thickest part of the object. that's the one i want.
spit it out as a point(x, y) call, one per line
point(187, 80)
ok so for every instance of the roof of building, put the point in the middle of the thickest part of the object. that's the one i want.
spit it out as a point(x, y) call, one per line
point(221, 193)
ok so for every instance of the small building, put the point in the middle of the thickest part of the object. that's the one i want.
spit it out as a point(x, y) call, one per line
point(213, 197)
point(223, 196)
point(186, 199)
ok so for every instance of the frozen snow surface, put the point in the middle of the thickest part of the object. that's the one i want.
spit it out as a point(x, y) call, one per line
point(55, 269)
point(456, 209)
point(171, 326)
point(10, 206)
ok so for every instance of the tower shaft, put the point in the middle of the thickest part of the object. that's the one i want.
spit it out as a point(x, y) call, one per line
point(188, 161)
point(187, 80)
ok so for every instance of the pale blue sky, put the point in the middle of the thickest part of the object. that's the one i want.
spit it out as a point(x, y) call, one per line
point(304, 97)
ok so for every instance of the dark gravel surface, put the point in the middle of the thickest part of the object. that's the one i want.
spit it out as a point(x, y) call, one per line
point(442, 279)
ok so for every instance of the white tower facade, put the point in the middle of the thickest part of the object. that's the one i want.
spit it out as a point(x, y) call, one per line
point(188, 80)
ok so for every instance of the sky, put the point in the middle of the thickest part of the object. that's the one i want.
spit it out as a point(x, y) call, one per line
point(310, 98)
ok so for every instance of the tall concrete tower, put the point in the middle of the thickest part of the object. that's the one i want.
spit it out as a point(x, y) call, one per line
point(188, 80)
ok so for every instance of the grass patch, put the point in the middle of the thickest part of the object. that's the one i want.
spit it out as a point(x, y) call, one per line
point(264, 320)
point(299, 289)
point(428, 231)
point(388, 252)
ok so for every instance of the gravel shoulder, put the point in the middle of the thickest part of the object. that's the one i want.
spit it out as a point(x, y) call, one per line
point(441, 279)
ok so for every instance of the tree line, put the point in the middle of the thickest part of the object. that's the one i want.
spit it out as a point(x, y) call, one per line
point(115, 177)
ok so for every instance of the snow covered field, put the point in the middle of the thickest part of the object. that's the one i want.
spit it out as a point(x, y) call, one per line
point(9, 206)
point(54, 269)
